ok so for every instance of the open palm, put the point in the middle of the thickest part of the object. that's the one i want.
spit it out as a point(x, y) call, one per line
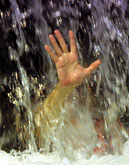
point(69, 71)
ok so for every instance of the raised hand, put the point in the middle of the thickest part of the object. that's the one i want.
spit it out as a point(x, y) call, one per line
point(69, 71)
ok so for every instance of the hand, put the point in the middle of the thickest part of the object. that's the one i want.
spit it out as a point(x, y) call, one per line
point(69, 71)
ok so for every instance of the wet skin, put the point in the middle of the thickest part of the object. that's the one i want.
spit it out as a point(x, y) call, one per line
point(70, 75)
point(69, 71)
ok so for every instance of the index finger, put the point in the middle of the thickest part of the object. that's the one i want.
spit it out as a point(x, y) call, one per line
point(73, 47)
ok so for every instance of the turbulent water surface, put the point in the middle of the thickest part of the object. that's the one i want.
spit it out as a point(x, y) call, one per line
point(35, 158)
point(28, 75)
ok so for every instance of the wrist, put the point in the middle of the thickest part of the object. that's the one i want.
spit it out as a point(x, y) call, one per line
point(65, 90)
point(67, 86)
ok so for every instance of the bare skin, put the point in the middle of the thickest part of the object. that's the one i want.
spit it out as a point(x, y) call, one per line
point(70, 75)
point(70, 72)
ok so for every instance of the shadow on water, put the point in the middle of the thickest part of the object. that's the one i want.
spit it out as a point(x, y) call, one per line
point(27, 74)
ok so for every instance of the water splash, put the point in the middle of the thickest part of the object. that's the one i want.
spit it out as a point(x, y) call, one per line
point(101, 30)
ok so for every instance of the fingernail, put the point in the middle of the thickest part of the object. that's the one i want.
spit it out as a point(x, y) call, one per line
point(51, 36)
point(70, 31)
point(56, 31)
point(45, 46)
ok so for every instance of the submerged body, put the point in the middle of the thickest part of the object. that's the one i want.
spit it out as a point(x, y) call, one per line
point(71, 74)
point(101, 31)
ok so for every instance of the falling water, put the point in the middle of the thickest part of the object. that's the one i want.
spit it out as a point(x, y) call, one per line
point(27, 74)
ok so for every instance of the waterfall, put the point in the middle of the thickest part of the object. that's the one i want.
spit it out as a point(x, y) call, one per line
point(28, 75)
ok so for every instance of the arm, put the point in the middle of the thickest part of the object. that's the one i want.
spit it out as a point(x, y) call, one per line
point(70, 72)
point(70, 75)
point(56, 100)
point(47, 113)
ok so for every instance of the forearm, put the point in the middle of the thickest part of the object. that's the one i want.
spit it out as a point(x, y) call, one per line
point(54, 102)
point(50, 110)
point(46, 114)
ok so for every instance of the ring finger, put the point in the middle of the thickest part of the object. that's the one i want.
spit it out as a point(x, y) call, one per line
point(55, 45)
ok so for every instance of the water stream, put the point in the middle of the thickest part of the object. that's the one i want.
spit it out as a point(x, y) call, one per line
point(28, 76)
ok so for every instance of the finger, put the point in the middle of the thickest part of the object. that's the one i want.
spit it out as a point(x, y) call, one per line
point(61, 41)
point(55, 45)
point(52, 55)
point(92, 67)
point(73, 47)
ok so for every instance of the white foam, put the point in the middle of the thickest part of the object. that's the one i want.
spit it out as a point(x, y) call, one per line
point(35, 158)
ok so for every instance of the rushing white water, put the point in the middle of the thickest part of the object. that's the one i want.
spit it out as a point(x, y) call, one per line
point(101, 30)
point(36, 158)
